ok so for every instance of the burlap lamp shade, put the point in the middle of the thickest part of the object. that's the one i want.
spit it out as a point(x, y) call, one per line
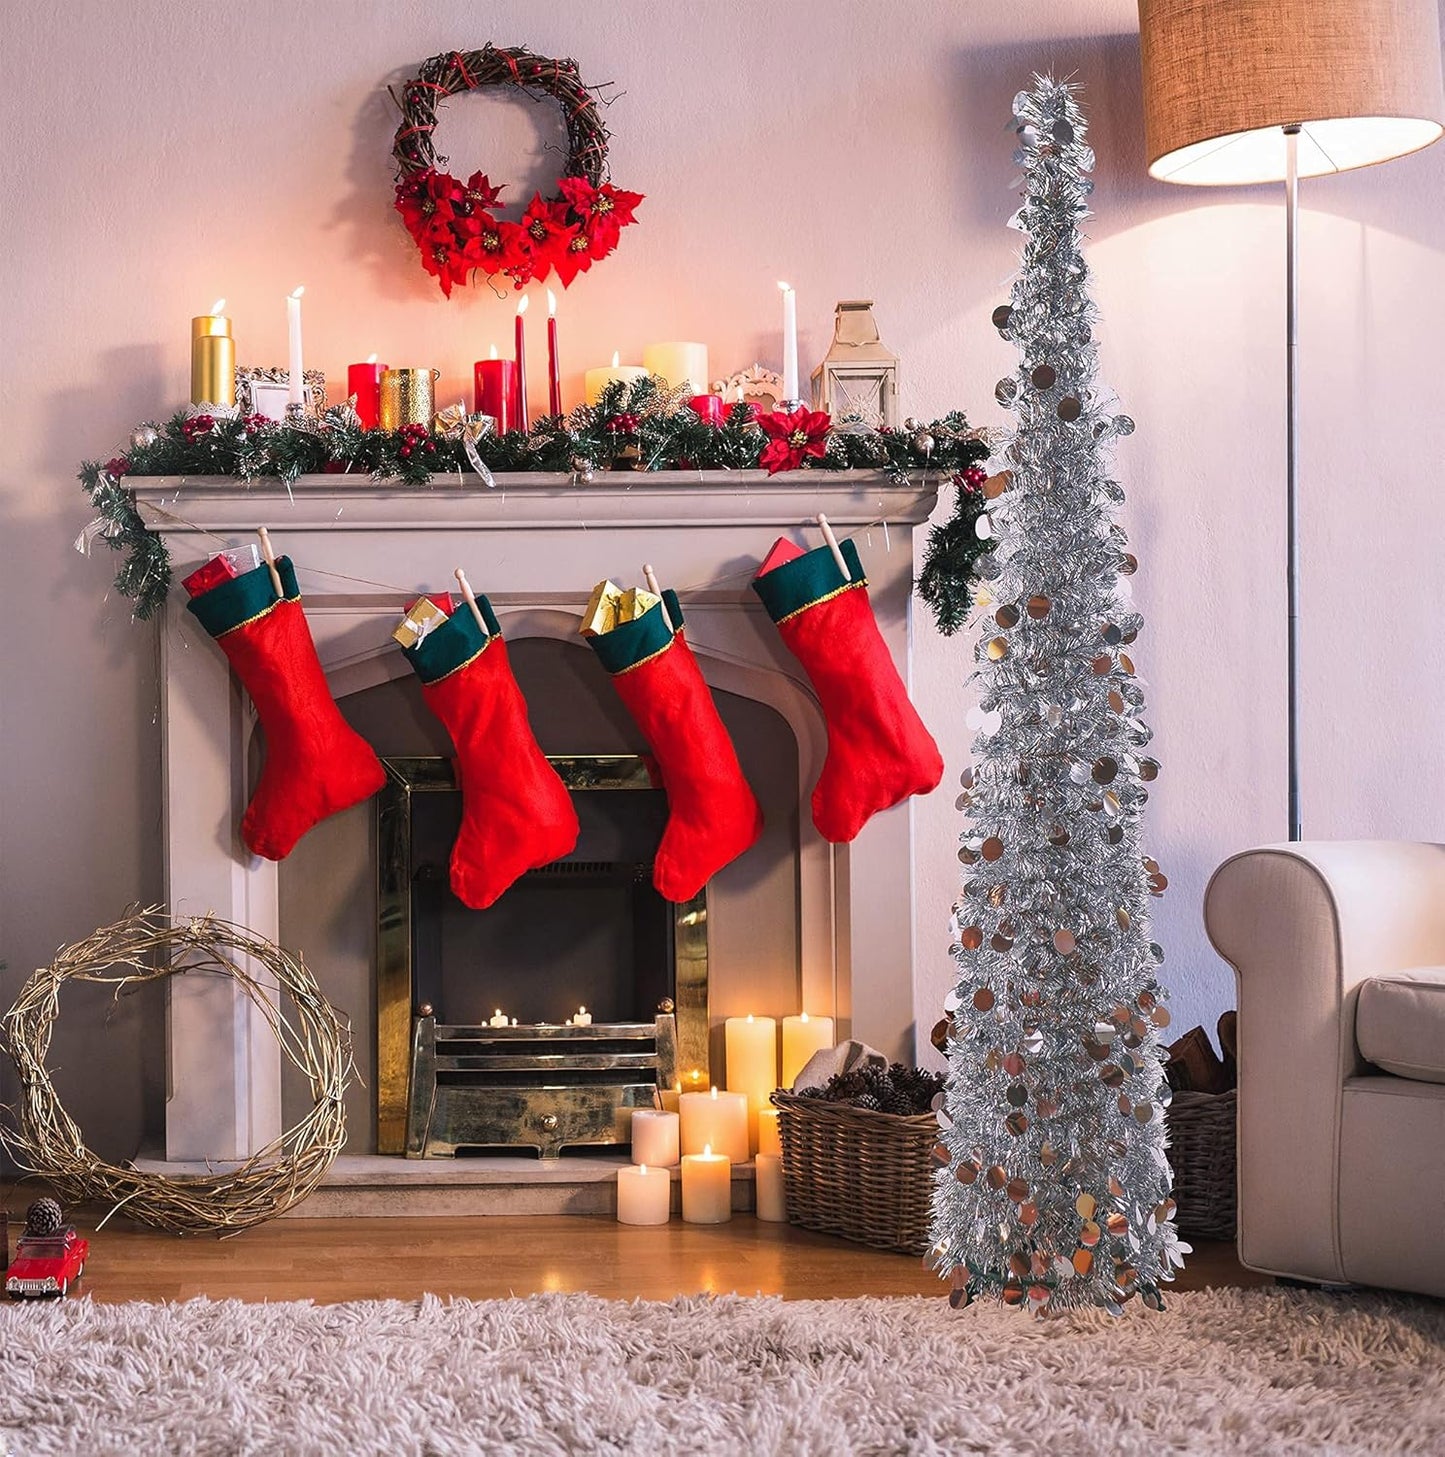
point(1362, 78)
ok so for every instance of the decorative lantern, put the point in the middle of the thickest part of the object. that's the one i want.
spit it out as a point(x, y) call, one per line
point(858, 376)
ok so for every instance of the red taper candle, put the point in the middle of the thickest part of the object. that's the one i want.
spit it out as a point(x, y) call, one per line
point(520, 352)
point(554, 367)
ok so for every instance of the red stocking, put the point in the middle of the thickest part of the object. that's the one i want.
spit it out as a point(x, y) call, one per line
point(316, 763)
point(878, 749)
point(516, 812)
point(712, 814)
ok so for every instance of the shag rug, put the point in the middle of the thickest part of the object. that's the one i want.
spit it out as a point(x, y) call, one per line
point(1222, 1371)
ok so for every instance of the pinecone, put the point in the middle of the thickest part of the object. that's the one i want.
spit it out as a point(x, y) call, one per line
point(44, 1217)
point(869, 1101)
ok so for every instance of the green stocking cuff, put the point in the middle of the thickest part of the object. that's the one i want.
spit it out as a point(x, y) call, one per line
point(455, 643)
point(634, 642)
point(807, 580)
point(243, 599)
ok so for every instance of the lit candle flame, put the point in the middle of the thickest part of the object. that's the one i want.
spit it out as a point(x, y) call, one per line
point(551, 303)
point(707, 1150)
point(298, 290)
point(371, 358)
point(616, 358)
point(522, 304)
point(803, 1017)
point(714, 1092)
point(642, 1168)
point(494, 352)
point(750, 1016)
point(582, 1011)
point(219, 304)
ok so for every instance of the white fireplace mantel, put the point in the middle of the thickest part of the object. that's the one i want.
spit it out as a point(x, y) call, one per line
point(535, 544)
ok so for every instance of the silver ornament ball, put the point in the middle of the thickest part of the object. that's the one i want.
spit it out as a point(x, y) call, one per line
point(143, 436)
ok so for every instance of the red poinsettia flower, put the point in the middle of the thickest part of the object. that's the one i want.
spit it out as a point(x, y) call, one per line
point(547, 232)
point(605, 210)
point(582, 251)
point(426, 199)
point(497, 246)
point(445, 259)
point(480, 193)
point(792, 437)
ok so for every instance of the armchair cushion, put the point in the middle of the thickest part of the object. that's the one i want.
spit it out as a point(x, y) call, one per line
point(1400, 1023)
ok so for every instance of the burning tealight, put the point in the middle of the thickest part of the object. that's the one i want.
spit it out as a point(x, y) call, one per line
point(498, 1019)
point(583, 1018)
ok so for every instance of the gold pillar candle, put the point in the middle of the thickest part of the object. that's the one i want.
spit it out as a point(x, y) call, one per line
point(408, 397)
point(213, 360)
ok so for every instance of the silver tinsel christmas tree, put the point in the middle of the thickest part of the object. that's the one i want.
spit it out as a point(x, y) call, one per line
point(1053, 1187)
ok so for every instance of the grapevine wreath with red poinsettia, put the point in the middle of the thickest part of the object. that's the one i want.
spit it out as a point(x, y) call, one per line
point(455, 223)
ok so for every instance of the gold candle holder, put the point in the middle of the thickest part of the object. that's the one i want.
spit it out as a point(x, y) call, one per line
point(408, 397)
point(213, 361)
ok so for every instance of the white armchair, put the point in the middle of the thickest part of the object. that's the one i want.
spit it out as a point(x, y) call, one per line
point(1339, 955)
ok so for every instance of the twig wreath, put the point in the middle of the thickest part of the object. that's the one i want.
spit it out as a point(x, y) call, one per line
point(148, 946)
point(454, 223)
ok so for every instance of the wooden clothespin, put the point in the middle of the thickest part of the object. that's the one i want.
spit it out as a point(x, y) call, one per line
point(270, 558)
point(466, 590)
point(833, 545)
point(650, 577)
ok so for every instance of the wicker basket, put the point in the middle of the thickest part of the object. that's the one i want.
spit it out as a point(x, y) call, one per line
point(857, 1174)
point(1201, 1152)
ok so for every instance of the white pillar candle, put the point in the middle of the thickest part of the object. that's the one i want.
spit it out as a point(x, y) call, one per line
point(715, 1119)
point(297, 380)
point(678, 364)
point(752, 1064)
point(707, 1187)
point(790, 342)
point(770, 1137)
point(644, 1195)
point(497, 1019)
point(597, 380)
point(772, 1203)
point(802, 1037)
point(656, 1137)
point(583, 1018)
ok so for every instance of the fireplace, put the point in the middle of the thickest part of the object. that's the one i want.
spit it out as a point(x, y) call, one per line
point(588, 931)
point(796, 924)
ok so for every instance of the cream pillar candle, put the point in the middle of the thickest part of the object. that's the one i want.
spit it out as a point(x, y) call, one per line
point(678, 364)
point(716, 1119)
point(752, 1064)
point(655, 1137)
point(597, 380)
point(707, 1187)
point(644, 1195)
point(772, 1204)
point(770, 1138)
point(802, 1037)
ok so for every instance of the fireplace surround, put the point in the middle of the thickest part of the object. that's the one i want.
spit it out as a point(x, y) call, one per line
point(839, 917)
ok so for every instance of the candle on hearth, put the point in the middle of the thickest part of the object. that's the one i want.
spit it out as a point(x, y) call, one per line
point(519, 352)
point(296, 378)
point(716, 1118)
point(364, 381)
point(771, 1203)
point(679, 364)
point(770, 1136)
point(498, 1019)
point(656, 1137)
point(802, 1037)
point(644, 1195)
point(790, 342)
point(597, 380)
point(213, 358)
point(707, 1187)
point(707, 407)
point(752, 1064)
point(554, 367)
point(495, 391)
point(670, 1098)
point(582, 1017)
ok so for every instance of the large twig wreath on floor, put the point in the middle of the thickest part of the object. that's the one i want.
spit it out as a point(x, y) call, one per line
point(455, 224)
point(148, 946)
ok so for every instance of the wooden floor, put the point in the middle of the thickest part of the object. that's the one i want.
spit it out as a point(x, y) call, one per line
point(330, 1260)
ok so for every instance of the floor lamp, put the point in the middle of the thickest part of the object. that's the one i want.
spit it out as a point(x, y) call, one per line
point(1247, 91)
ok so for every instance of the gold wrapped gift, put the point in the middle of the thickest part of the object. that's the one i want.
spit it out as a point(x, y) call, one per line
point(603, 610)
point(635, 602)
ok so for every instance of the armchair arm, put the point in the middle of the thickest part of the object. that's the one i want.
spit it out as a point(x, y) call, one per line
point(1302, 925)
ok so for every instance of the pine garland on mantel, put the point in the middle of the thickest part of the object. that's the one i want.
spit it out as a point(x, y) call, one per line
point(642, 425)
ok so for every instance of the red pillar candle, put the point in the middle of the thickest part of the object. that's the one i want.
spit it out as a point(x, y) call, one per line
point(496, 391)
point(707, 407)
point(554, 367)
point(520, 352)
point(364, 381)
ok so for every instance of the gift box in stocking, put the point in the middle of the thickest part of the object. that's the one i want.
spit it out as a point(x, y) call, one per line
point(316, 763)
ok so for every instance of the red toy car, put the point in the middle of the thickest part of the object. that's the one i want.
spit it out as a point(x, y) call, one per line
point(46, 1264)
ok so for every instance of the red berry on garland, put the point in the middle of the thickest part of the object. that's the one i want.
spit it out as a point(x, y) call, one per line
point(974, 477)
point(404, 452)
point(116, 467)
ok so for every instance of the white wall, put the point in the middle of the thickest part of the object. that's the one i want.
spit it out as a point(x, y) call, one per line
point(158, 155)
